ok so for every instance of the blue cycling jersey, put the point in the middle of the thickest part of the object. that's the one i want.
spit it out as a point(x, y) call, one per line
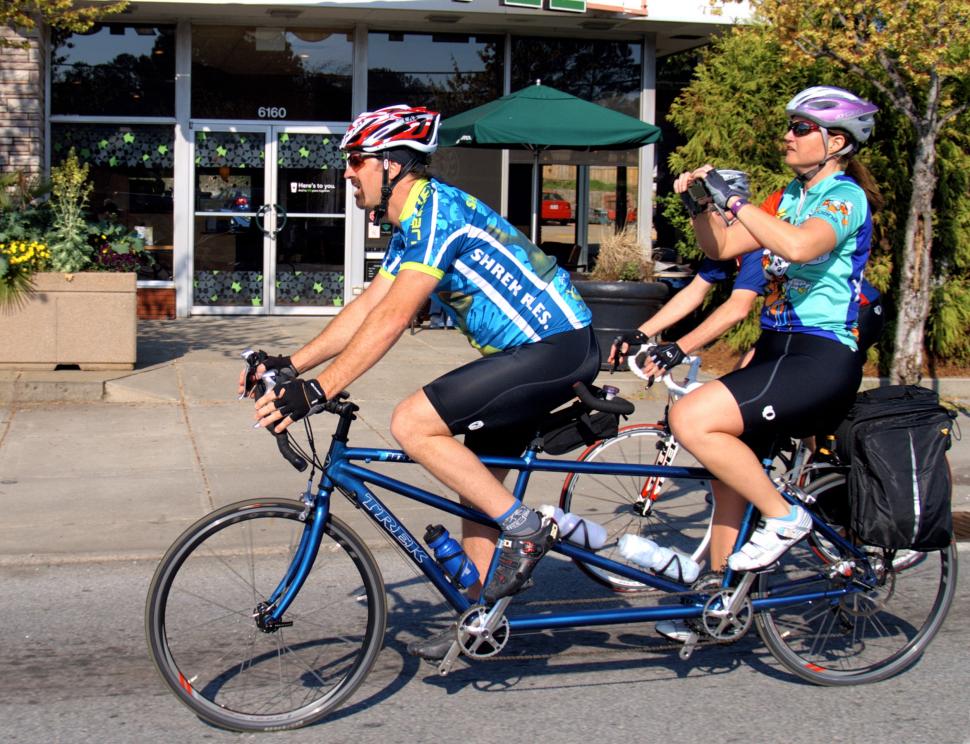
point(821, 297)
point(750, 275)
point(497, 286)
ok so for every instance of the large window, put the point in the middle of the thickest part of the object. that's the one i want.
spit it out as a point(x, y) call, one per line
point(114, 69)
point(131, 170)
point(271, 73)
point(449, 73)
point(604, 72)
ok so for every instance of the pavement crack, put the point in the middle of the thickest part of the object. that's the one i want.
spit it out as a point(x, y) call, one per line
point(7, 424)
point(208, 503)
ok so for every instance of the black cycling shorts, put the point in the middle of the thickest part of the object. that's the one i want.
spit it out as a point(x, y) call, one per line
point(497, 401)
point(796, 385)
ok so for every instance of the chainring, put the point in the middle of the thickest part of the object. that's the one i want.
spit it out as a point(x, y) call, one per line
point(471, 639)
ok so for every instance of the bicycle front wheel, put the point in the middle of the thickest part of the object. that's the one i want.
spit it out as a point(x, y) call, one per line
point(864, 636)
point(202, 631)
point(672, 513)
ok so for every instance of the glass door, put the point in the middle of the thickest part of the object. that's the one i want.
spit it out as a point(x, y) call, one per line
point(309, 251)
point(270, 227)
point(229, 245)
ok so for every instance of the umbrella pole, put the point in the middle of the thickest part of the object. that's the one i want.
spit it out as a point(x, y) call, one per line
point(536, 179)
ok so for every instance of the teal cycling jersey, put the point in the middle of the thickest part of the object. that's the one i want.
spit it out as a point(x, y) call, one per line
point(497, 286)
point(821, 297)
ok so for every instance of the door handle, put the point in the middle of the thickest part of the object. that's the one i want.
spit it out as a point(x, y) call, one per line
point(280, 219)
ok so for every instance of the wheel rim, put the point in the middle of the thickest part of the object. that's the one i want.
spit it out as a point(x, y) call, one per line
point(863, 636)
point(209, 649)
point(678, 518)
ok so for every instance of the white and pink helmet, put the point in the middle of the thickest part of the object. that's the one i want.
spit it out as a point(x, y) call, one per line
point(835, 108)
point(414, 127)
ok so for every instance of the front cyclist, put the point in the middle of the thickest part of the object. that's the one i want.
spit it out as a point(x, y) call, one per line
point(512, 302)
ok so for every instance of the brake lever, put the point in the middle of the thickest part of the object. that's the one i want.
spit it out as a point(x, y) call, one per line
point(259, 384)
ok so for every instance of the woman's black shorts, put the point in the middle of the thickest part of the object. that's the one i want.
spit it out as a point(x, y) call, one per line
point(796, 385)
point(498, 400)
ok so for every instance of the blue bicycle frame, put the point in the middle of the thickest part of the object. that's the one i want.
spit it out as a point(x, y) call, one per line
point(352, 480)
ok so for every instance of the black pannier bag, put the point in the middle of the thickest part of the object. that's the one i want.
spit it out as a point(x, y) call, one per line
point(895, 440)
point(575, 426)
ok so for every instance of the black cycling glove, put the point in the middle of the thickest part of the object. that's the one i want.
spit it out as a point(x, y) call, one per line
point(281, 364)
point(720, 190)
point(631, 339)
point(666, 356)
point(301, 398)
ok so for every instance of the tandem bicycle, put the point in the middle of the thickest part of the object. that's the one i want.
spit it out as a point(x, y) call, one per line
point(268, 614)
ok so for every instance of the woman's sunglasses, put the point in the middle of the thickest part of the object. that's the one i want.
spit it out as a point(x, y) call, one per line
point(356, 159)
point(801, 128)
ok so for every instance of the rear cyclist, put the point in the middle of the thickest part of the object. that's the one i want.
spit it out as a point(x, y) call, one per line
point(806, 366)
point(512, 302)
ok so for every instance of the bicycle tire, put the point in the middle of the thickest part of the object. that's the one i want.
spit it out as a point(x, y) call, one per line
point(862, 637)
point(678, 518)
point(203, 637)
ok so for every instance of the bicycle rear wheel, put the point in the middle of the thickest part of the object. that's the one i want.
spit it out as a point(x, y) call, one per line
point(672, 513)
point(203, 636)
point(860, 637)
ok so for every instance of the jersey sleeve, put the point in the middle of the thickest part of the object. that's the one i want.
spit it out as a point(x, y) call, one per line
point(392, 258)
point(713, 272)
point(844, 208)
point(751, 275)
point(429, 245)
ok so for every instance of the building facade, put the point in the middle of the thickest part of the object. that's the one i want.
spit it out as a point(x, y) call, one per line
point(212, 129)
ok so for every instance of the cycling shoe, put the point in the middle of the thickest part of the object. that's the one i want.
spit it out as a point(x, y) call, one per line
point(517, 558)
point(436, 647)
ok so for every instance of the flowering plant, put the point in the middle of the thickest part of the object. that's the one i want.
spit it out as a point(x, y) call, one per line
point(116, 248)
point(19, 259)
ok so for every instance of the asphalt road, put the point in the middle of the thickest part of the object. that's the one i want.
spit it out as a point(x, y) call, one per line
point(76, 669)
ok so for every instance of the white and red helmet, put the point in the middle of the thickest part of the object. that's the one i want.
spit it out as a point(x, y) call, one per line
point(414, 127)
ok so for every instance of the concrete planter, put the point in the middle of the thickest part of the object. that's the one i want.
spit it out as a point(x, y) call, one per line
point(620, 306)
point(85, 319)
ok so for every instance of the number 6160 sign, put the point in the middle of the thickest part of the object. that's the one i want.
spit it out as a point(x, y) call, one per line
point(271, 112)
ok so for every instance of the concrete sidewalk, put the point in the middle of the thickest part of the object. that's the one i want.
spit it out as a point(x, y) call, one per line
point(115, 465)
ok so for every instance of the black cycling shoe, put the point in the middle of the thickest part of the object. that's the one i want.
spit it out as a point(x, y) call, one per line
point(517, 558)
point(436, 647)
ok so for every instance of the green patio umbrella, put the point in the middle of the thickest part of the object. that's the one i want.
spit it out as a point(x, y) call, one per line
point(542, 118)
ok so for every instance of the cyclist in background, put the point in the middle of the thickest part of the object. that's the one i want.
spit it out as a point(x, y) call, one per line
point(512, 302)
point(806, 365)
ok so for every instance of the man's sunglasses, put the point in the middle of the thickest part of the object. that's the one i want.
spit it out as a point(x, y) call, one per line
point(356, 159)
point(801, 128)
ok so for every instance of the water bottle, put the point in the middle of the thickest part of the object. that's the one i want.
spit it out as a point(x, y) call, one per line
point(576, 529)
point(671, 563)
point(450, 556)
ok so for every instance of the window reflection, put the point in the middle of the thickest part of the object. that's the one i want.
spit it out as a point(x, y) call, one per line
point(114, 69)
point(449, 73)
point(132, 175)
point(271, 73)
point(604, 72)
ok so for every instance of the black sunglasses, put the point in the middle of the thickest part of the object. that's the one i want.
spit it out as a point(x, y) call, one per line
point(356, 159)
point(801, 128)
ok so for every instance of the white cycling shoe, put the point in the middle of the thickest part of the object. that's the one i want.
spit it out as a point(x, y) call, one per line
point(770, 540)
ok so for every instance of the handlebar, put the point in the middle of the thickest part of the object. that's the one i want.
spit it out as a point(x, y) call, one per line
point(635, 363)
point(259, 384)
point(591, 399)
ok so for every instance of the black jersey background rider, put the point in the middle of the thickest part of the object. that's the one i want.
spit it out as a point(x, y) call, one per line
point(509, 298)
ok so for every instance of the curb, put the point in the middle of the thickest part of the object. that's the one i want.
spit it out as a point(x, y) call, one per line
point(961, 526)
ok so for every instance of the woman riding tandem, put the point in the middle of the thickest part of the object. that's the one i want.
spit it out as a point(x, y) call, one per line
point(805, 369)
